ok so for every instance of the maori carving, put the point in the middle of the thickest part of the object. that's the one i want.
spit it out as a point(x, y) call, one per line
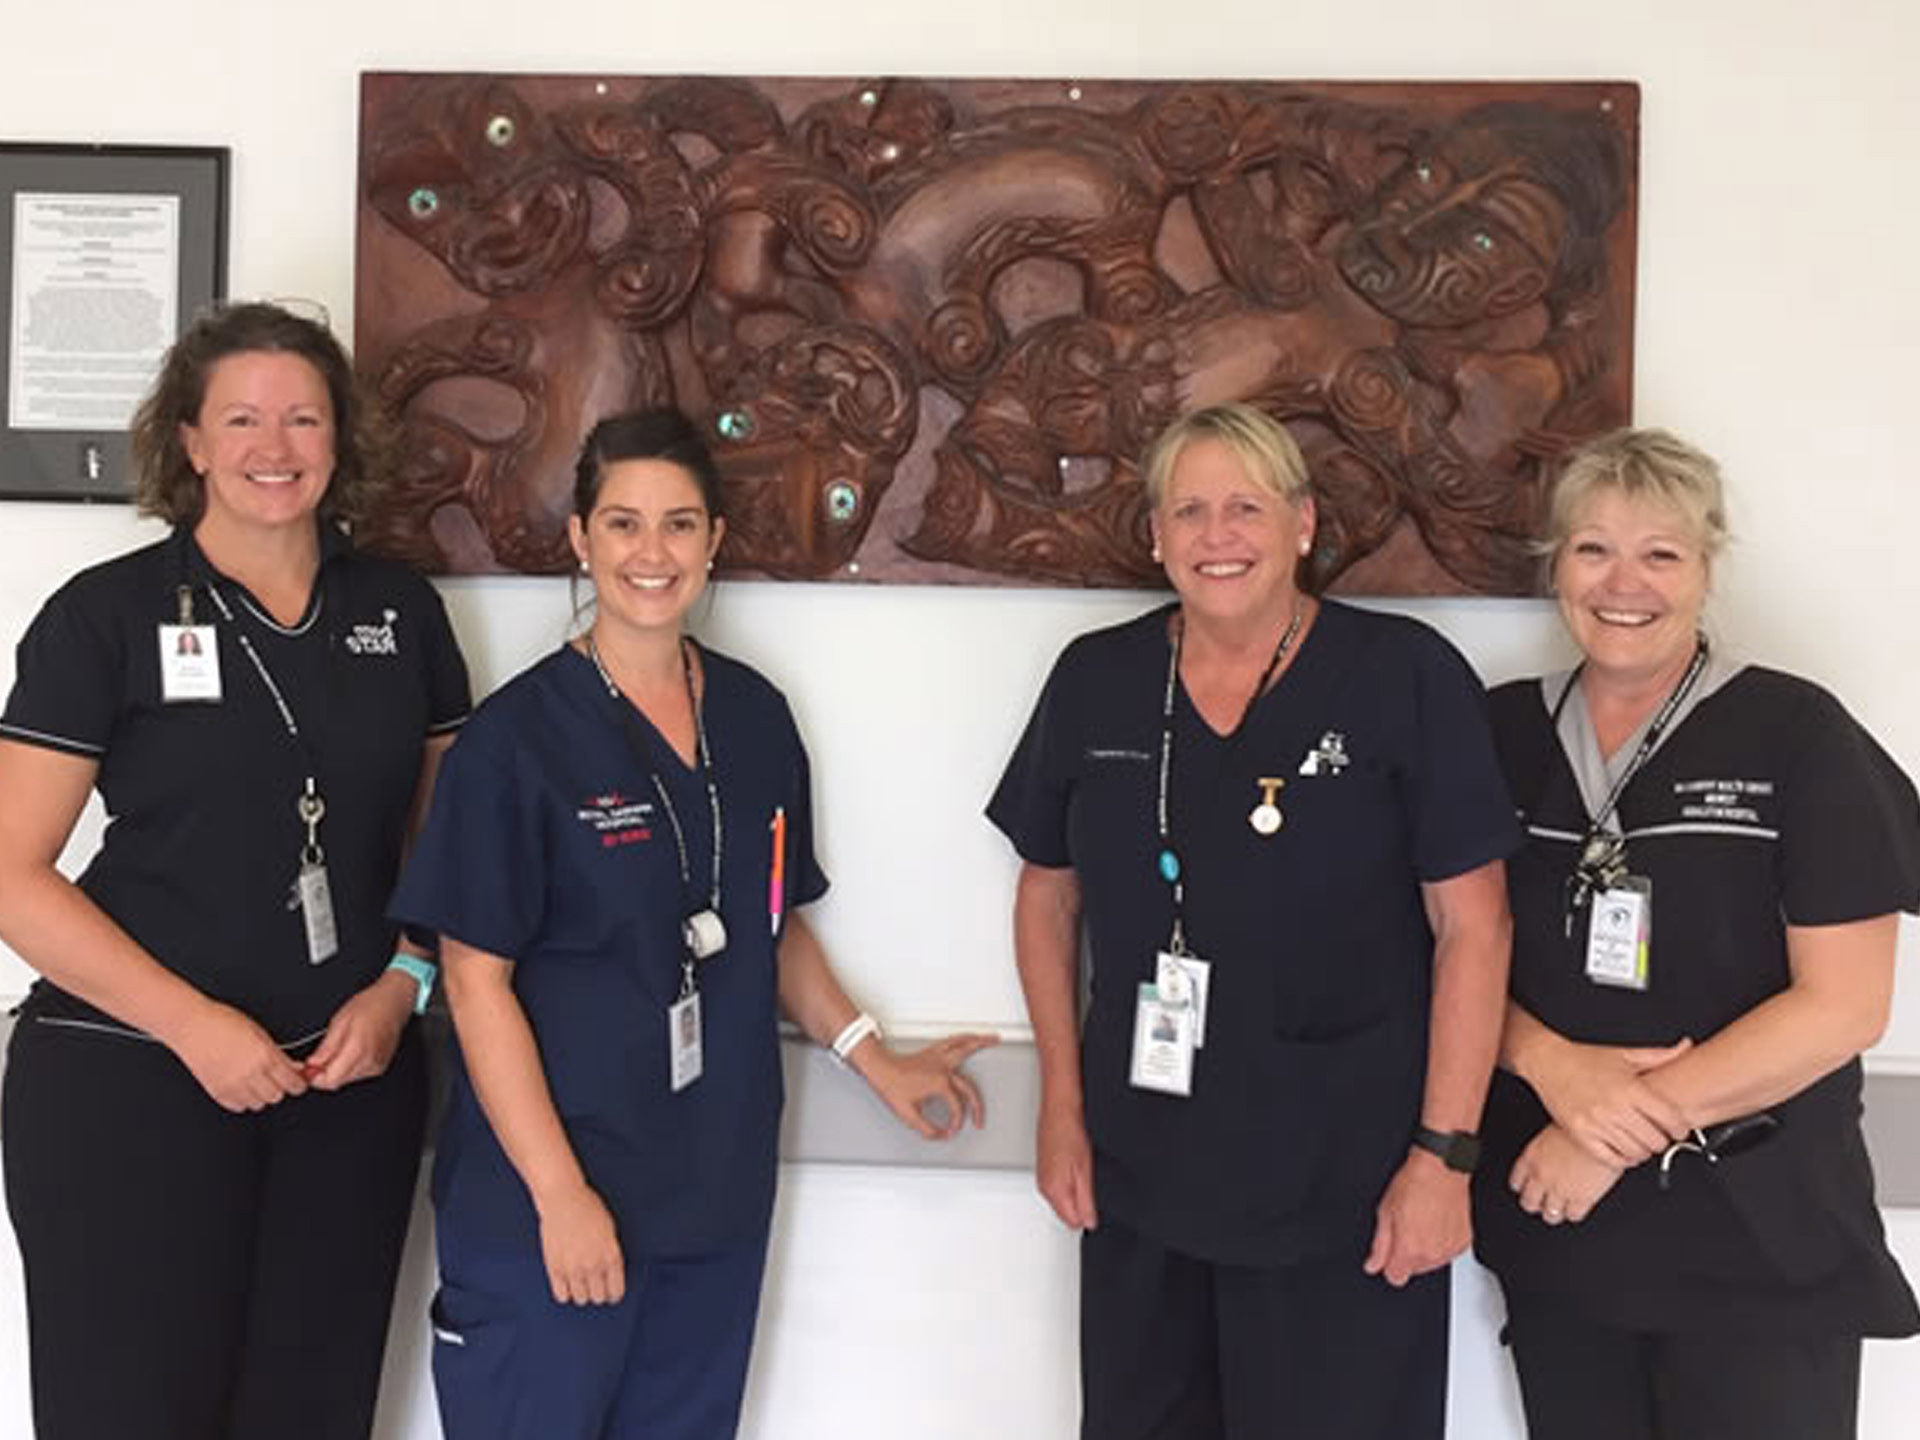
point(934, 324)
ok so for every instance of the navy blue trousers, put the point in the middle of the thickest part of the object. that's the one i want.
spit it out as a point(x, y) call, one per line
point(669, 1362)
point(1176, 1348)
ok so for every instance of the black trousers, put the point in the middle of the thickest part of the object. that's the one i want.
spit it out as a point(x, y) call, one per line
point(193, 1274)
point(1583, 1380)
point(1174, 1348)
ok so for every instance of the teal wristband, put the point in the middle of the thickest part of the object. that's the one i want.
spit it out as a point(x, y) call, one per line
point(422, 973)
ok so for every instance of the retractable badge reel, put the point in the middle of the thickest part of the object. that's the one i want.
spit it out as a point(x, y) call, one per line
point(311, 892)
point(704, 935)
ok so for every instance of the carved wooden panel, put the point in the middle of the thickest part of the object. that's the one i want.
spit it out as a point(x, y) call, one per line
point(933, 323)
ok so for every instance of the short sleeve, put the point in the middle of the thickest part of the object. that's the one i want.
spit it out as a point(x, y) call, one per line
point(1850, 825)
point(1029, 805)
point(1460, 814)
point(70, 676)
point(476, 871)
point(449, 695)
point(805, 880)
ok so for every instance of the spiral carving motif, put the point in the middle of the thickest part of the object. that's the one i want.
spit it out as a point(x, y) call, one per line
point(962, 341)
point(643, 289)
point(971, 304)
point(1370, 391)
point(1189, 132)
point(833, 225)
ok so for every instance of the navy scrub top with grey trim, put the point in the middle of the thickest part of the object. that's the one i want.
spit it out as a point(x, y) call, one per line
point(1306, 1095)
point(547, 846)
point(1767, 806)
point(202, 842)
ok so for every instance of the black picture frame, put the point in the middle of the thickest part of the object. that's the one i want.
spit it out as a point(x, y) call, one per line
point(67, 458)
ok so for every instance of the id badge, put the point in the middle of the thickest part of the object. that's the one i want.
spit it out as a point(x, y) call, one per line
point(316, 912)
point(1184, 980)
point(1162, 1044)
point(1620, 934)
point(683, 1041)
point(189, 663)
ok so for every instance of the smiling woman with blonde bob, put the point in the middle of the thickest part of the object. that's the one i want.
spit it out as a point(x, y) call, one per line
point(1676, 1198)
point(1280, 822)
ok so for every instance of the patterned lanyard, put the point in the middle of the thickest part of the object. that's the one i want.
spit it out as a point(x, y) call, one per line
point(1168, 861)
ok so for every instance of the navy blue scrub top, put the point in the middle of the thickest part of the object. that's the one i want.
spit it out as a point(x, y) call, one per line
point(203, 843)
point(546, 845)
point(1309, 1086)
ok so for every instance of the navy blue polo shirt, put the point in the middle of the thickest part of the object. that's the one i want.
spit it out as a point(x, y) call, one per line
point(1308, 1089)
point(203, 843)
point(547, 846)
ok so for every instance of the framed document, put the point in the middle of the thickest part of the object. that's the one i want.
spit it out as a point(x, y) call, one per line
point(106, 253)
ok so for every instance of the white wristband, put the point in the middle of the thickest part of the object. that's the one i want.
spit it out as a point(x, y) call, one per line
point(858, 1029)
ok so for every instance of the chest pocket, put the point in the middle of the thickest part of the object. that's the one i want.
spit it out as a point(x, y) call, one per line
point(1110, 820)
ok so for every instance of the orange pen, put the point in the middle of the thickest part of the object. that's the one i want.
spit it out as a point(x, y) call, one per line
point(777, 878)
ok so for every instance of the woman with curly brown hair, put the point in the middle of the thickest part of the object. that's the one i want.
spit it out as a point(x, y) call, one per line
point(213, 1099)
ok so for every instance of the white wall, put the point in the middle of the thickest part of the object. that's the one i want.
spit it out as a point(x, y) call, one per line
point(1779, 325)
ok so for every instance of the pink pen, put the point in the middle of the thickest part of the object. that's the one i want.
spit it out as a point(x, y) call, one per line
point(777, 877)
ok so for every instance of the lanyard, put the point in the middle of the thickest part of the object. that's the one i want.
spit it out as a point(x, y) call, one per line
point(1602, 860)
point(311, 807)
point(1169, 861)
point(637, 739)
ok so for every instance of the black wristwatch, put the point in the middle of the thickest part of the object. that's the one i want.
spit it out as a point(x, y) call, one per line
point(1457, 1149)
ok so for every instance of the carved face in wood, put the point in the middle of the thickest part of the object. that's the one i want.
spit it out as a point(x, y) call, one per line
point(1451, 245)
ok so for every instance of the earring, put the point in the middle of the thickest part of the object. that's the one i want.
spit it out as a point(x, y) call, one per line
point(1156, 554)
point(1305, 546)
point(583, 567)
point(709, 567)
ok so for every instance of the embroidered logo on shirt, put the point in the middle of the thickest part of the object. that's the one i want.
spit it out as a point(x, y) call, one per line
point(616, 818)
point(1723, 800)
point(1329, 757)
point(375, 639)
point(1099, 752)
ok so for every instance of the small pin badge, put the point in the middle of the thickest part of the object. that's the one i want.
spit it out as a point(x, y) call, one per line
point(1265, 817)
point(1329, 757)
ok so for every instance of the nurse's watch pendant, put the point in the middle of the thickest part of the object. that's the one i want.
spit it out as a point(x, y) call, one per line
point(1265, 818)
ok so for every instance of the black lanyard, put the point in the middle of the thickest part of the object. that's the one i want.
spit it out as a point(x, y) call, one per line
point(1169, 861)
point(637, 740)
point(1602, 858)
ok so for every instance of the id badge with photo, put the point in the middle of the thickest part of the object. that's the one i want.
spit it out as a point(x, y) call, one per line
point(1620, 934)
point(683, 1041)
point(316, 913)
point(1162, 1044)
point(189, 664)
point(1184, 980)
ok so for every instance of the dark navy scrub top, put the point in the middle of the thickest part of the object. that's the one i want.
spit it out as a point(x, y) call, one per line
point(1308, 1090)
point(202, 842)
point(1767, 806)
point(547, 846)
